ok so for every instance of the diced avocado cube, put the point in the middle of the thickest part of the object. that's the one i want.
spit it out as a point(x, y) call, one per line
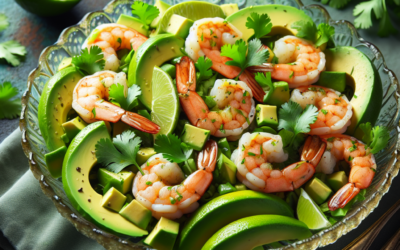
point(279, 95)
point(163, 235)
point(144, 154)
point(66, 62)
point(240, 187)
point(136, 213)
point(337, 180)
point(317, 190)
point(229, 9)
point(133, 23)
point(226, 188)
point(266, 116)
point(179, 26)
point(65, 138)
point(162, 7)
point(129, 198)
point(265, 129)
point(333, 80)
point(73, 127)
point(195, 137)
point(225, 170)
point(54, 161)
point(321, 176)
point(113, 200)
point(223, 146)
point(121, 181)
point(169, 69)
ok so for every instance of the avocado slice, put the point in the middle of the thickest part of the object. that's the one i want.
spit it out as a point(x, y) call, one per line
point(253, 231)
point(122, 181)
point(363, 77)
point(225, 170)
point(229, 8)
point(282, 18)
point(113, 200)
point(133, 23)
point(162, 7)
point(163, 235)
point(66, 62)
point(279, 95)
point(78, 162)
point(54, 161)
point(225, 209)
point(136, 213)
point(195, 137)
point(337, 180)
point(317, 190)
point(179, 26)
point(266, 116)
point(154, 52)
point(73, 127)
point(333, 80)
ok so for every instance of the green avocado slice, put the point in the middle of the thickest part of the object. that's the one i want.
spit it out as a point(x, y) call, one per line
point(78, 162)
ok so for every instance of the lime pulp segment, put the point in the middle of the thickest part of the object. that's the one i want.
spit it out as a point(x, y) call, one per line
point(310, 213)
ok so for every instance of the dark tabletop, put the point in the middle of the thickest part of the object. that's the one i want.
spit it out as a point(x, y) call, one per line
point(36, 33)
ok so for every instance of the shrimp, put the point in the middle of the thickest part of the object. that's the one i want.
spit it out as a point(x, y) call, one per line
point(90, 102)
point(206, 37)
point(335, 110)
point(111, 38)
point(164, 190)
point(257, 151)
point(362, 164)
point(235, 104)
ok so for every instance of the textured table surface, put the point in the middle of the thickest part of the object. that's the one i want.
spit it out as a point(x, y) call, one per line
point(36, 33)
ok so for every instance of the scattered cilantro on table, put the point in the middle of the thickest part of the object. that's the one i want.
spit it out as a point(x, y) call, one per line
point(145, 12)
point(3, 22)
point(375, 138)
point(119, 153)
point(9, 107)
point(89, 62)
point(261, 24)
point(12, 51)
point(172, 148)
point(116, 92)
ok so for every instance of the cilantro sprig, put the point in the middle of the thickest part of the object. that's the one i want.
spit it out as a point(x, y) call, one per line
point(145, 12)
point(89, 61)
point(10, 107)
point(256, 54)
point(119, 153)
point(3, 22)
point(261, 24)
point(117, 91)
point(309, 31)
point(172, 148)
point(12, 51)
point(375, 138)
point(203, 65)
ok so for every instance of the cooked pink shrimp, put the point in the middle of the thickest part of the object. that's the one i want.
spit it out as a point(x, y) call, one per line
point(160, 190)
point(236, 107)
point(206, 37)
point(335, 110)
point(111, 38)
point(363, 166)
point(90, 102)
point(257, 151)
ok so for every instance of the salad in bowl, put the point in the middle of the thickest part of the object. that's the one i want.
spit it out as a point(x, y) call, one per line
point(203, 126)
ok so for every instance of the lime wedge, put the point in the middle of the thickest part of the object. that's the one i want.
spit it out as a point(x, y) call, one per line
point(165, 102)
point(193, 10)
point(310, 213)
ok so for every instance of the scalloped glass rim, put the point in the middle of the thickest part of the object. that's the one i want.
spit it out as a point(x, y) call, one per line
point(69, 44)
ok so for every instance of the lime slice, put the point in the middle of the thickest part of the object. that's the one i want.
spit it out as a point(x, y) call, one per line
point(165, 102)
point(310, 213)
point(193, 10)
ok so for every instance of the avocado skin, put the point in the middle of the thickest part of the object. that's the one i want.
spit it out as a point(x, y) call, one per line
point(225, 209)
point(253, 231)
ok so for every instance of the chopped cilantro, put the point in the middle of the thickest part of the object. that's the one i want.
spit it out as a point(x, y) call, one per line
point(10, 107)
point(148, 183)
point(324, 111)
point(94, 112)
point(242, 162)
point(251, 154)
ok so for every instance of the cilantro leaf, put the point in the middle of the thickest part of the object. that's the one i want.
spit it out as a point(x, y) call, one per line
point(203, 87)
point(367, 129)
point(203, 65)
point(89, 62)
point(3, 22)
point(294, 119)
point(385, 25)
point(117, 91)
point(264, 81)
point(172, 149)
point(9, 108)
point(325, 33)
point(375, 138)
point(146, 13)
point(257, 54)
point(10, 51)
point(261, 24)
point(119, 153)
point(306, 30)
point(364, 12)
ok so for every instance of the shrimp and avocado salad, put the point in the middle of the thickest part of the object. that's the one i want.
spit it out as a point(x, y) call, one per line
point(198, 126)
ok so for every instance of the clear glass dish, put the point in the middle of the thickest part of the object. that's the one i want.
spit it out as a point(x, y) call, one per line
point(69, 44)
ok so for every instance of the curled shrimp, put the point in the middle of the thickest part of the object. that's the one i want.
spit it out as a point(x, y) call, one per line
point(335, 110)
point(236, 107)
point(257, 151)
point(90, 102)
point(206, 37)
point(164, 190)
point(111, 38)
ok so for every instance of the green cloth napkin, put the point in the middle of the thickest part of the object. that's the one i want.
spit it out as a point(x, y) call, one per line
point(27, 217)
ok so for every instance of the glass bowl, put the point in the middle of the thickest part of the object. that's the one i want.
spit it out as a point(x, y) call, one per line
point(69, 44)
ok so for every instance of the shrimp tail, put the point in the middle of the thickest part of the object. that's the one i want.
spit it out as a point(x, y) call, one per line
point(194, 106)
point(343, 196)
point(207, 157)
point(313, 150)
point(256, 89)
point(139, 122)
point(185, 75)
